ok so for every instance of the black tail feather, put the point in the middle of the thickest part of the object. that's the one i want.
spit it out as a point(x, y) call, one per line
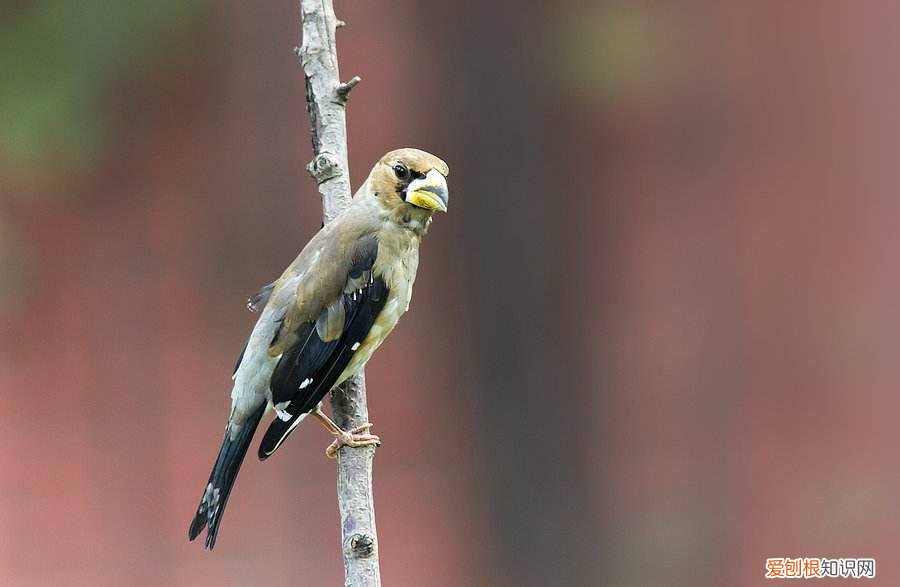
point(224, 473)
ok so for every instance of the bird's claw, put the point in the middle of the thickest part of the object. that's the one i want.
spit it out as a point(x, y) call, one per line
point(352, 438)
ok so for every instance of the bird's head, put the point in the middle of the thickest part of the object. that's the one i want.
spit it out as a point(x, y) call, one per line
point(410, 179)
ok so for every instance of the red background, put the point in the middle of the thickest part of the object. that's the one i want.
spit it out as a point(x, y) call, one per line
point(653, 342)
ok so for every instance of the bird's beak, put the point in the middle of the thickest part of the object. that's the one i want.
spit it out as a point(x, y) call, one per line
point(429, 192)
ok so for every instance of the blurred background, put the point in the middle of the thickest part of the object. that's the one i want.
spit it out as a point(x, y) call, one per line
point(664, 298)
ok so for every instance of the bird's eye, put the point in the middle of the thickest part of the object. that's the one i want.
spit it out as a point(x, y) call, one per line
point(401, 171)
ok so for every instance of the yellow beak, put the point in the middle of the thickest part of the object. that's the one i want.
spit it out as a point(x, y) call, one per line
point(429, 192)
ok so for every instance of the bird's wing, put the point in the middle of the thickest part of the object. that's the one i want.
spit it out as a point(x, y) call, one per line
point(316, 348)
point(261, 298)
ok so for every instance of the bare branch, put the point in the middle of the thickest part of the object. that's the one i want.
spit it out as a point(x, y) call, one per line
point(343, 90)
point(326, 98)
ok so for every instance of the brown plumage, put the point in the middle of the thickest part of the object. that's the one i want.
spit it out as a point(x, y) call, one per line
point(397, 225)
point(329, 311)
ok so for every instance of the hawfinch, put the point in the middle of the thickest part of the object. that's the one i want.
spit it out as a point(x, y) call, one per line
point(323, 318)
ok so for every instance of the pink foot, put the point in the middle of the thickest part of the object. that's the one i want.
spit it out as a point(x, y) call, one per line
point(353, 439)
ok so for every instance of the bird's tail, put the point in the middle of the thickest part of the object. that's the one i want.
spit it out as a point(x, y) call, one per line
point(215, 496)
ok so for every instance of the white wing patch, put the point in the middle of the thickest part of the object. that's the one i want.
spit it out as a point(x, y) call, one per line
point(306, 382)
point(355, 346)
point(281, 411)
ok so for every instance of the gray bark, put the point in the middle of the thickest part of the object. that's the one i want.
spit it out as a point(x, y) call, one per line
point(326, 98)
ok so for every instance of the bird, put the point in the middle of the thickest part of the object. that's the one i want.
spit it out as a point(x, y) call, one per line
point(320, 322)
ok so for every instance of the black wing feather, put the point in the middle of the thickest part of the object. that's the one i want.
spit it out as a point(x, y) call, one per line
point(299, 363)
point(322, 362)
point(365, 310)
point(310, 354)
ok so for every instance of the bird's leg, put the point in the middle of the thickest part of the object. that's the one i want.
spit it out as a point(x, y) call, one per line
point(358, 436)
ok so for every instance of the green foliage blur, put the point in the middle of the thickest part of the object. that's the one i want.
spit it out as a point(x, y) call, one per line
point(57, 57)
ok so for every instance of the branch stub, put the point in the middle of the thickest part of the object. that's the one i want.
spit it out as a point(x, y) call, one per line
point(343, 90)
point(323, 167)
point(362, 545)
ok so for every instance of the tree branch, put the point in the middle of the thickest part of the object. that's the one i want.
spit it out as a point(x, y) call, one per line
point(326, 98)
